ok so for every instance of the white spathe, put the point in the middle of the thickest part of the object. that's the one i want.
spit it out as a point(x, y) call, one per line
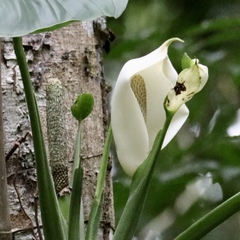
point(133, 134)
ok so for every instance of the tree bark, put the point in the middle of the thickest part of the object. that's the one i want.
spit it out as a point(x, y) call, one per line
point(5, 225)
point(73, 55)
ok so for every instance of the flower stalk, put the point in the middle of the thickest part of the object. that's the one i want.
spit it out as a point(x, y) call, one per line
point(139, 187)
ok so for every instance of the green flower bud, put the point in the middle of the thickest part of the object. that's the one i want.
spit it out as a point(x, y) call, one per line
point(83, 106)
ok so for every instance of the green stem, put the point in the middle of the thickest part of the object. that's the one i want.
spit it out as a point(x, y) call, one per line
point(211, 220)
point(139, 188)
point(75, 230)
point(76, 158)
point(52, 221)
point(76, 218)
point(95, 213)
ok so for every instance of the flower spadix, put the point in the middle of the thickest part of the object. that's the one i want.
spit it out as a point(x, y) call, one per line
point(190, 81)
point(137, 106)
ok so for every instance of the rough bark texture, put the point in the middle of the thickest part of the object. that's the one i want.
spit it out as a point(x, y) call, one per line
point(5, 225)
point(73, 55)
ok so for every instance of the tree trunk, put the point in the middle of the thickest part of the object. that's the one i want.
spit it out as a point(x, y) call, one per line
point(5, 226)
point(73, 55)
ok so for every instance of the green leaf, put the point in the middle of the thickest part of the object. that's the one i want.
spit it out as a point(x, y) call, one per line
point(211, 220)
point(95, 213)
point(18, 18)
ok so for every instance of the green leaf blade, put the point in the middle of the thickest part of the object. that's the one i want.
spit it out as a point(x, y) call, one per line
point(95, 214)
point(18, 18)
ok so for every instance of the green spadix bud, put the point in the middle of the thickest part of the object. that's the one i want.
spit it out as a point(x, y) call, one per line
point(83, 106)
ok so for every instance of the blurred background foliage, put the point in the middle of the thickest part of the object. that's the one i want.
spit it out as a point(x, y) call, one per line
point(208, 146)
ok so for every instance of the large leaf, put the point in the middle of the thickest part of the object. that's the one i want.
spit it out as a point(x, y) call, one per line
point(20, 17)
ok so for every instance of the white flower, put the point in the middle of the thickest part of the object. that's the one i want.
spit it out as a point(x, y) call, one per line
point(190, 81)
point(137, 106)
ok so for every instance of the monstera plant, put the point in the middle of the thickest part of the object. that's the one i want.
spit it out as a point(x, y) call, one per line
point(148, 109)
